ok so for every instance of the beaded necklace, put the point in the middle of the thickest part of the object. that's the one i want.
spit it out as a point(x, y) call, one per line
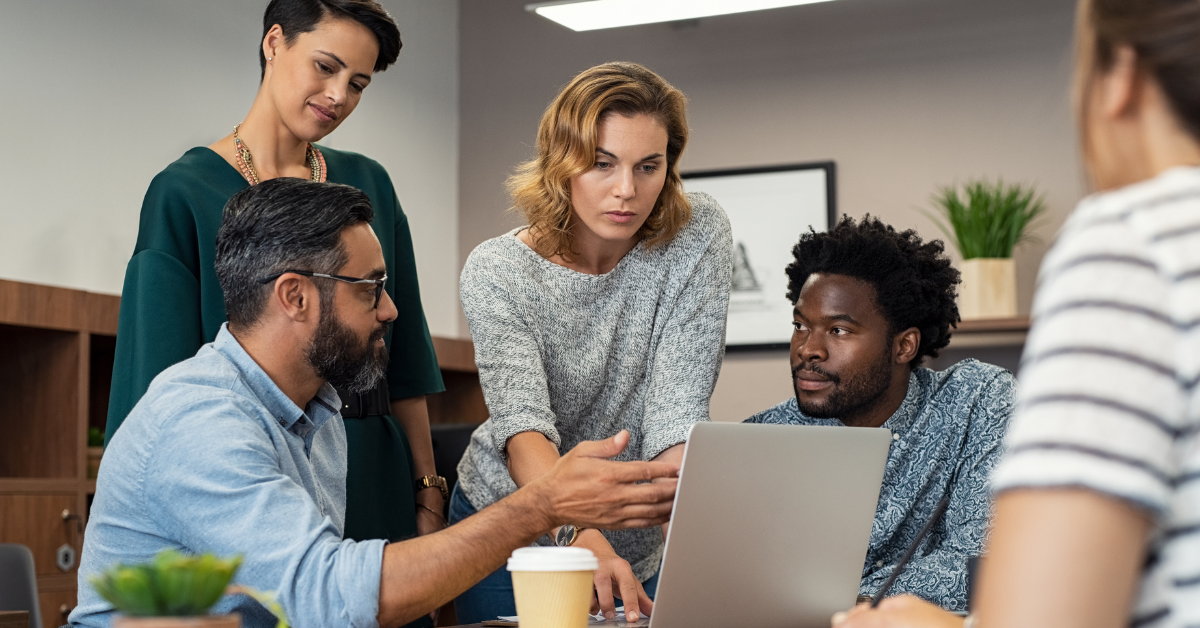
point(316, 161)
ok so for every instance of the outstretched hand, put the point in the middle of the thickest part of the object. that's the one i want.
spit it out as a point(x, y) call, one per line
point(588, 489)
point(902, 611)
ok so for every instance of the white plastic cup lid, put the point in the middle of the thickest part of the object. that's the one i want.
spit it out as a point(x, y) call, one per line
point(553, 559)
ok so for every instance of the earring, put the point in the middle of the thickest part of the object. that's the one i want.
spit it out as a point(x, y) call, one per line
point(269, 58)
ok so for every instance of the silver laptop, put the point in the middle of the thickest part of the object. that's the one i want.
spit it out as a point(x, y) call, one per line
point(770, 525)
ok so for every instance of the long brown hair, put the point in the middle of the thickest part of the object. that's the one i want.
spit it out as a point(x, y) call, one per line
point(1165, 36)
point(566, 147)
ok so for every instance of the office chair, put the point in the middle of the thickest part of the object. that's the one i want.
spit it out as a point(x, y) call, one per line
point(450, 442)
point(18, 582)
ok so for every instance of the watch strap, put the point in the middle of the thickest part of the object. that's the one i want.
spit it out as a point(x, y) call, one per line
point(434, 481)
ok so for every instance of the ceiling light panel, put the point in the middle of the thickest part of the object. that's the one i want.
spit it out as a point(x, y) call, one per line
point(590, 15)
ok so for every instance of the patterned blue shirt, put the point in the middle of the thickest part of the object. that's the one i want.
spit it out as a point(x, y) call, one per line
point(215, 458)
point(947, 438)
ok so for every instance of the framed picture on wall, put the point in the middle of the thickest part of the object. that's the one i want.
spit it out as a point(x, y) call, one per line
point(769, 208)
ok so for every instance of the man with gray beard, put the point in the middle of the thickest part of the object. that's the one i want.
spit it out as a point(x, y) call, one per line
point(242, 450)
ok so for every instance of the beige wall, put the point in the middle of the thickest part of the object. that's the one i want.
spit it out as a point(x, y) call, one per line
point(105, 93)
point(904, 95)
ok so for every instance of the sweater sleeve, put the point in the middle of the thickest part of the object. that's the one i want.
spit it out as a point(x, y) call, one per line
point(688, 358)
point(507, 354)
point(413, 368)
point(160, 318)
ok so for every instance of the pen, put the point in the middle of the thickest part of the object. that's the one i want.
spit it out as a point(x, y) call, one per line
point(912, 549)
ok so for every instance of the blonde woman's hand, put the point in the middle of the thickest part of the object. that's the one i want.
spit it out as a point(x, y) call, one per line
point(614, 578)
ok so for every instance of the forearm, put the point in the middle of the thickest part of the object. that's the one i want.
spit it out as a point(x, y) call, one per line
point(1068, 558)
point(530, 456)
point(424, 573)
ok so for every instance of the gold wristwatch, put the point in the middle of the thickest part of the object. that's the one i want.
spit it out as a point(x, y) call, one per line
point(434, 481)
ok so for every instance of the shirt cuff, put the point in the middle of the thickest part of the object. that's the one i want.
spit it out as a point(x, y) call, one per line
point(511, 426)
point(359, 568)
point(662, 435)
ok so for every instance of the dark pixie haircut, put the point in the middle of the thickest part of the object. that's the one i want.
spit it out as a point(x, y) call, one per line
point(277, 225)
point(1165, 34)
point(913, 280)
point(302, 16)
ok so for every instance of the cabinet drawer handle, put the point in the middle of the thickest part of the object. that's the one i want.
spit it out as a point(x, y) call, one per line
point(67, 516)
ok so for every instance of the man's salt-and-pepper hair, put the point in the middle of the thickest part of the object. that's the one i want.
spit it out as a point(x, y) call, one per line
point(277, 225)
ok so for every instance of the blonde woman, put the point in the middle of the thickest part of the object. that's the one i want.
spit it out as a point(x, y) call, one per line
point(607, 312)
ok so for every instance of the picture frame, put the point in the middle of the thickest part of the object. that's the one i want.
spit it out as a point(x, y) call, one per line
point(769, 207)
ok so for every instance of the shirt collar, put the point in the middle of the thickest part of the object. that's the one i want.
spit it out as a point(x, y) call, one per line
point(285, 411)
point(904, 416)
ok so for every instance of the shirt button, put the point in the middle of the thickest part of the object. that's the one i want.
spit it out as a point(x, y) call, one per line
point(895, 437)
point(282, 422)
point(879, 563)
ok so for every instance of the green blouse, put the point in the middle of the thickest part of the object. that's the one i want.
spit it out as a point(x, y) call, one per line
point(171, 304)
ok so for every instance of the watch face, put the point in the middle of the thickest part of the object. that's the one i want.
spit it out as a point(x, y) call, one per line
point(565, 536)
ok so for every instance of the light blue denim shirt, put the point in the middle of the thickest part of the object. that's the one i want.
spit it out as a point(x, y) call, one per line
point(215, 458)
point(947, 437)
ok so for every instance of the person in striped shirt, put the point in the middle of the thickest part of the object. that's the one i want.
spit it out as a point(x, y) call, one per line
point(1097, 511)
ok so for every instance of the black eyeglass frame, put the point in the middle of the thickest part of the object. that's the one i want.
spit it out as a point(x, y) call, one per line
point(379, 283)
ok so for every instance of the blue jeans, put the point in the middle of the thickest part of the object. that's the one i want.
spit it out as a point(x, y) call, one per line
point(493, 596)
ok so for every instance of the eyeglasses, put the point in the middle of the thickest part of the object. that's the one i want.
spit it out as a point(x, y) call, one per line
point(379, 283)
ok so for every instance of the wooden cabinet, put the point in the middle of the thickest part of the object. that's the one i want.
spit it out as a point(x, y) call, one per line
point(56, 348)
point(56, 603)
point(462, 402)
point(36, 521)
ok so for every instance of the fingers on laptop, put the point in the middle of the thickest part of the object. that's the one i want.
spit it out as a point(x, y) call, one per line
point(644, 602)
point(628, 588)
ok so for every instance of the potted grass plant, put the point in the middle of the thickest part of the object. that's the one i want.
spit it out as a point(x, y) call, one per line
point(176, 591)
point(986, 221)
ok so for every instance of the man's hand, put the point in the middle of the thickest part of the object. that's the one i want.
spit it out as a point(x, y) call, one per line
point(586, 489)
point(902, 611)
point(614, 571)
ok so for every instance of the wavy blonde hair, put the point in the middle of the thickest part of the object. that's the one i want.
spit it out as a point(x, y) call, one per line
point(566, 148)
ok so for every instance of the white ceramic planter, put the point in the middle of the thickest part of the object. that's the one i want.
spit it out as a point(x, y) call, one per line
point(989, 289)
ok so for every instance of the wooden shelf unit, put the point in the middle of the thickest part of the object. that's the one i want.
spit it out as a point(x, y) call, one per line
point(57, 346)
point(996, 332)
point(462, 402)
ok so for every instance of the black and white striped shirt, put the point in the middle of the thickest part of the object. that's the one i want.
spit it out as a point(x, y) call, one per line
point(1108, 397)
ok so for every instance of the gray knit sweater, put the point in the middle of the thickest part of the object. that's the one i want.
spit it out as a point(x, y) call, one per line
point(580, 357)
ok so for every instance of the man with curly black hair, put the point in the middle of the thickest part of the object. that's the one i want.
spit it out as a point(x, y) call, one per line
point(871, 304)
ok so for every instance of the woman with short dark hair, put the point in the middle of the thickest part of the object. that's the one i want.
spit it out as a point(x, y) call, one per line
point(317, 58)
point(1097, 515)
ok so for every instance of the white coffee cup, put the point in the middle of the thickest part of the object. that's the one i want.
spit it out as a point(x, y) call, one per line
point(553, 585)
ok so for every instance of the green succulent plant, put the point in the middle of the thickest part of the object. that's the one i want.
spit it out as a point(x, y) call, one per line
point(989, 219)
point(170, 585)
